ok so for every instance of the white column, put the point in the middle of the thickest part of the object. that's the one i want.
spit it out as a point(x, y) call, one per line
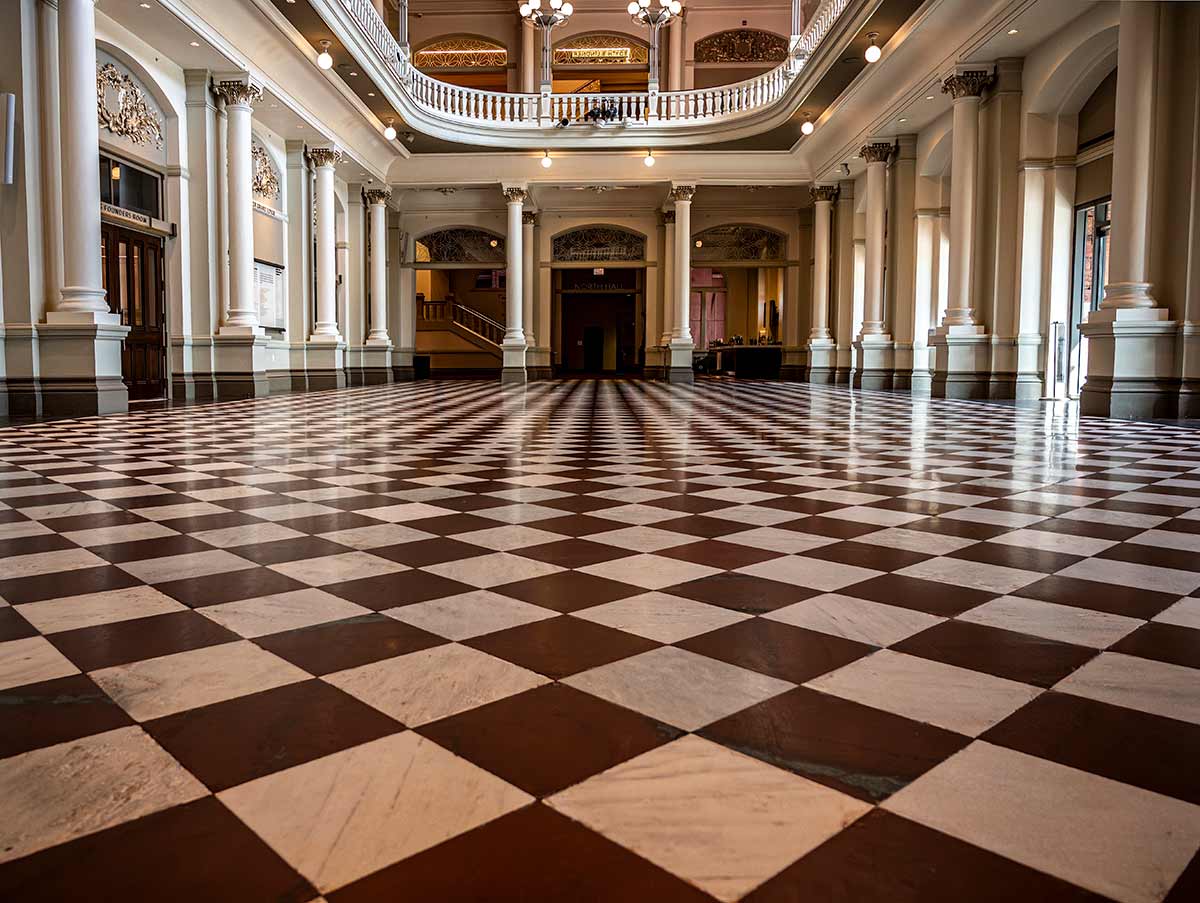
point(876, 156)
point(222, 204)
point(326, 328)
point(966, 87)
point(406, 329)
point(529, 58)
point(79, 134)
point(668, 291)
point(943, 264)
point(925, 252)
point(823, 197)
point(377, 199)
point(514, 346)
point(1133, 173)
point(528, 221)
point(675, 52)
point(681, 332)
point(242, 315)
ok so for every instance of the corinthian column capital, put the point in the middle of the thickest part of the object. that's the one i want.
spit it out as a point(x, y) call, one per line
point(237, 88)
point(377, 195)
point(325, 156)
point(683, 192)
point(969, 83)
point(823, 193)
point(878, 152)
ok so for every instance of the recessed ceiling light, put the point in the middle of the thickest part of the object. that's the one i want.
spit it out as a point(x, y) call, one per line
point(144, 5)
point(902, 119)
point(194, 43)
point(370, 94)
point(354, 73)
point(1012, 31)
point(929, 97)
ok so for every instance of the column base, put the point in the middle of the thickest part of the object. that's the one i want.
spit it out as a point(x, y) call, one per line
point(402, 365)
point(537, 363)
point(1131, 364)
point(961, 361)
point(794, 365)
point(514, 376)
point(80, 364)
point(876, 355)
point(513, 369)
point(326, 364)
point(682, 375)
point(376, 358)
point(822, 362)
point(240, 365)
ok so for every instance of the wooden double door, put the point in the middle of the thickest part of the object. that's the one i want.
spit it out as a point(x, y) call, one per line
point(133, 277)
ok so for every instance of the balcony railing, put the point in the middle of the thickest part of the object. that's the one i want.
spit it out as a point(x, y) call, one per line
point(508, 113)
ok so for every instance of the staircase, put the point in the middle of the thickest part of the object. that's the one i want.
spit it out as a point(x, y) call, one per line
point(459, 340)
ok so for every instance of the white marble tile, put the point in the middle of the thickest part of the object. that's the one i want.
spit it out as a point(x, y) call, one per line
point(43, 489)
point(1184, 613)
point(247, 534)
point(187, 680)
point(282, 611)
point(326, 493)
point(425, 686)
point(991, 578)
point(1168, 539)
point(520, 514)
point(650, 571)
point(61, 792)
point(1138, 576)
point(31, 660)
point(376, 537)
point(677, 686)
point(1053, 542)
point(774, 539)
point(337, 568)
point(1120, 841)
point(127, 492)
point(22, 528)
point(526, 494)
point(723, 821)
point(493, 570)
point(993, 517)
point(1159, 498)
point(37, 563)
point(754, 514)
point(661, 617)
point(957, 699)
point(469, 614)
point(182, 567)
point(855, 619)
point(813, 573)
point(844, 497)
point(220, 493)
point(737, 496)
point(918, 541)
point(1160, 688)
point(295, 510)
point(508, 537)
point(92, 609)
point(1115, 518)
point(642, 539)
point(104, 536)
point(186, 509)
point(1065, 623)
point(883, 517)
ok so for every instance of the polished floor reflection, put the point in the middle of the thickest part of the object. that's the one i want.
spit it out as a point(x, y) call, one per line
point(599, 641)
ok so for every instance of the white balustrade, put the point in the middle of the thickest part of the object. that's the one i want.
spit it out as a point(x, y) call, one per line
point(508, 110)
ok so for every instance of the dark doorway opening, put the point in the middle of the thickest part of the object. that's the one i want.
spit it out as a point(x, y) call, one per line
point(133, 278)
point(599, 318)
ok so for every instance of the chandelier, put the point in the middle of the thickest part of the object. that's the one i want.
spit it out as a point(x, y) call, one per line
point(546, 20)
point(644, 13)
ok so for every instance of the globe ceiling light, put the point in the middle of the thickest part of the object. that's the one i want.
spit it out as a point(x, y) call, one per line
point(873, 53)
point(547, 20)
point(649, 158)
point(807, 127)
point(325, 58)
point(547, 162)
point(390, 132)
point(645, 13)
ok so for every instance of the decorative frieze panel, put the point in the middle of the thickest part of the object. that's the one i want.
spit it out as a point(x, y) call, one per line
point(266, 179)
point(601, 49)
point(461, 245)
point(125, 110)
point(722, 243)
point(598, 243)
point(742, 45)
point(461, 53)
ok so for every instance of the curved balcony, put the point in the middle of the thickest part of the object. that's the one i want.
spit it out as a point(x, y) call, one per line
point(652, 118)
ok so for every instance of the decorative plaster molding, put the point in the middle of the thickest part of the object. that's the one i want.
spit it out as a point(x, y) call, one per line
point(265, 180)
point(234, 91)
point(123, 109)
point(969, 83)
point(325, 156)
point(876, 153)
point(668, 217)
point(823, 193)
point(528, 218)
point(377, 195)
point(515, 195)
point(682, 193)
point(742, 45)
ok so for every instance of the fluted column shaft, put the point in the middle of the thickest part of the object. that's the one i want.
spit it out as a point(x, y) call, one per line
point(242, 314)
point(515, 293)
point(377, 201)
point(79, 134)
point(823, 197)
point(326, 327)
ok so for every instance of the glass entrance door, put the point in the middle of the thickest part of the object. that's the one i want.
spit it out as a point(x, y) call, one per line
point(133, 277)
point(1088, 277)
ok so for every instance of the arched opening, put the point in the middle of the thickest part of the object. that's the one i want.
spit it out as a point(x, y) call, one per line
point(461, 289)
point(736, 55)
point(601, 62)
point(737, 292)
point(598, 313)
point(466, 60)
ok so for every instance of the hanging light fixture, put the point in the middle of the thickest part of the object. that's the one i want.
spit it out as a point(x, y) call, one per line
point(649, 159)
point(547, 20)
point(807, 127)
point(547, 162)
point(390, 132)
point(873, 53)
point(325, 58)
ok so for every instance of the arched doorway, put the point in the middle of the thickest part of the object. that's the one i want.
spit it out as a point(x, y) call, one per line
point(598, 315)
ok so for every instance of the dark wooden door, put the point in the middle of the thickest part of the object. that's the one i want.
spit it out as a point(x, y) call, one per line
point(133, 278)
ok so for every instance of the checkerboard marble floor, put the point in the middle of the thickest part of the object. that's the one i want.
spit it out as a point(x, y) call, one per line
point(599, 641)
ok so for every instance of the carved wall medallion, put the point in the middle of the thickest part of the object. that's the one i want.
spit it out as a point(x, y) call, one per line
point(461, 53)
point(742, 45)
point(266, 180)
point(601, 49)
point(123, 109)
point(598, 243)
